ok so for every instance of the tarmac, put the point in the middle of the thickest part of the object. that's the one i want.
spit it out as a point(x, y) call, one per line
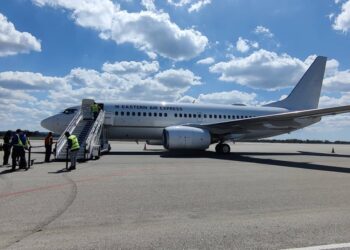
point(261, 196)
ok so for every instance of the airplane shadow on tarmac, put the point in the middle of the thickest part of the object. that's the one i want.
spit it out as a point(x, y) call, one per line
point(251, 157)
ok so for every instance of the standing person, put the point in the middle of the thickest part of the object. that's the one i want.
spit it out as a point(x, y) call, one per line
point(95, 110)
point(48, 146)
point(7, 147)
point(19, 142)
point(73, 145)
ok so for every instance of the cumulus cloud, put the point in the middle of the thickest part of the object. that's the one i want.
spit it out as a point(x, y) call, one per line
point(131, 67)
point(13, 42)
point(208, 60)
point(244, 45)
point(342, 20)
point(149, 31)
point(192, 5)
point(261, 30)
point(29, 80)
point(225, 97)
point(149, 5)
point(198, 5)
point(261, 69)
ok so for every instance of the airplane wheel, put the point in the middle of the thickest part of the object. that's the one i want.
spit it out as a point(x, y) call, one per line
point(222, 148)
point(218, 148)
point(225, 149)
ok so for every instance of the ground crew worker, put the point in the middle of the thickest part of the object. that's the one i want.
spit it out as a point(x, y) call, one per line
point(48, 146)
point(19, 142)
point(7, 147)
point(73, 146)
point(95, 110)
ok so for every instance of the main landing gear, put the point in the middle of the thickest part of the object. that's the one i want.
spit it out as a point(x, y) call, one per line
point(222, 148)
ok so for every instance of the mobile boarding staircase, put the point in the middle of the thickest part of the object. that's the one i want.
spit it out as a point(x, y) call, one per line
point(91, 134)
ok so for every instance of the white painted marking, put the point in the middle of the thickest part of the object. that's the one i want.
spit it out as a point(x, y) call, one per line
point(323, 247)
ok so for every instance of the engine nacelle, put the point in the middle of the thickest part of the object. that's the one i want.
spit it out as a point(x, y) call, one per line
point(154, 142)
point(182, 137)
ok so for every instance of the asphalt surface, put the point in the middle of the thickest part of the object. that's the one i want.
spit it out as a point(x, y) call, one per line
point(262, 196)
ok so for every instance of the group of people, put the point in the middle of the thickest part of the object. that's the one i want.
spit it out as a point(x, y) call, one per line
point(18, 142)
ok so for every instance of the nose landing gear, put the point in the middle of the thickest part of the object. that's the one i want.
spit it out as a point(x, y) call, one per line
point(222, 148)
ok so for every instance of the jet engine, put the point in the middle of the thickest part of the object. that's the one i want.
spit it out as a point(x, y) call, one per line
point(182, 137)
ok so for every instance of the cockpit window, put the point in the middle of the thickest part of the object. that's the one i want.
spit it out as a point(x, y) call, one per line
point(69, 111)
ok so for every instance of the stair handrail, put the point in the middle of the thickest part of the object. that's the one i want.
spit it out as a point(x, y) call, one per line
point(95, 132)
point(70, 128)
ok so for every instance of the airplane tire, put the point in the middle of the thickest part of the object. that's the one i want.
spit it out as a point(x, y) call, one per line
point(218, 148)
point(222, 148)
point(225, 148)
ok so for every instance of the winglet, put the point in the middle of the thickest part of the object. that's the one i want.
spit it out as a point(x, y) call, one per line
point(306, 93)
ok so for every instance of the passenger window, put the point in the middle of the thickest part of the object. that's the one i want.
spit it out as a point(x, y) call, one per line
point(224, 116)
point(149, 114)
point(194, 116)
point(139, 114)
point(180, 114)
point(205, 116)
point(233, 117)
point(215, 116)
point(210, 116)
point(155, 114)
point(185, 115)
point(122, 113)
point(127, 113)
point(229, 117)
point(133, 113)
point(175, 114)
point(116, 113)
point(189, 116)
point(165, 114)
point(160, 114)
point(144, 114)
point(219, 116)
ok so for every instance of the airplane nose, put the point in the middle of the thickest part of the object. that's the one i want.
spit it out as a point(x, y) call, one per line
point(46, 123)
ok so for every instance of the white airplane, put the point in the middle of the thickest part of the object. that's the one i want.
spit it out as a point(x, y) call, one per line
point(197, 126)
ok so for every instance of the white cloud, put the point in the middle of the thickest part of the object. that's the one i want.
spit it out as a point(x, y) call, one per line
point(261, 69)
point(131, 67)
point(151, 32)
point(198, 5)
point(13, 42)
point(244, 45)
point(149, 5)
point(339, 81)
point(192, 5)
point(208, 60)
point(178, 78)
point(342, 21)
point(225, 97)
point(263, 31)
point(29, 81)
point(230, 97)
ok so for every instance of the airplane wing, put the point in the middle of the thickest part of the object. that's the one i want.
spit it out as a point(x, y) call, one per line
point(282, 121)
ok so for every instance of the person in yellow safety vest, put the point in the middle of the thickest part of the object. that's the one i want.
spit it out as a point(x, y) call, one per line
point(95, 109)
point(19, 142)
point(73, 146)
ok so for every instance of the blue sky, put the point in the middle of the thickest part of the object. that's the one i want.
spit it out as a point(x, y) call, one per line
point(53, 53)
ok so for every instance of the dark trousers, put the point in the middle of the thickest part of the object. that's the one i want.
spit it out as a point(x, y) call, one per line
point(18, 151)
point(48, 150)
point(7, 152)
point(95, 115)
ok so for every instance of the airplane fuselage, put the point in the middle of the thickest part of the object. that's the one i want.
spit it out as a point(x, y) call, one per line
point(127, 120)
